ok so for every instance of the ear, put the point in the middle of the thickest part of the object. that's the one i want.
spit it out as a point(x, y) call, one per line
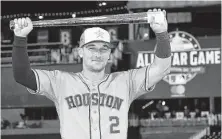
point(110, 55)
point(80, 52)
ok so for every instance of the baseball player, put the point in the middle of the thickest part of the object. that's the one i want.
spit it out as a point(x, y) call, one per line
point(92, 104)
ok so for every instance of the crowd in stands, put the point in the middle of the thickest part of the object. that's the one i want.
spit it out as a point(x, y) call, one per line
point(134, 121)
point(161, 115)
point(22, 124)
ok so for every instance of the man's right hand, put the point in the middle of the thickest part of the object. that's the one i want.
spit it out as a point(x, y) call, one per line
point(23, 26)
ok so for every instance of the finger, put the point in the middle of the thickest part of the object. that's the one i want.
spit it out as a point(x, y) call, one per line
point(149, 10)
point(164, 12)
point(23, 22)
point(152, 20)
point(159, 10)
point(20, 22)
point(155, 10)
point(16, 23)
point(28, 20)
point(26, 23)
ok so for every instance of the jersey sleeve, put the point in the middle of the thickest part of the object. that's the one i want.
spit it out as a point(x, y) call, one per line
point(47, 82)
point(139, 82)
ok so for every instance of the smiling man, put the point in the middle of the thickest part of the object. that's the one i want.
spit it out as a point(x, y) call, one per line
point(95, 49)
point(92, 104)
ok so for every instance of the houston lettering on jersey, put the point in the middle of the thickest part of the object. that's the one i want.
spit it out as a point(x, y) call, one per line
point(84, 100)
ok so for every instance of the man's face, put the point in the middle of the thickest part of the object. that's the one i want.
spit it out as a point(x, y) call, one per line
point(95, 55)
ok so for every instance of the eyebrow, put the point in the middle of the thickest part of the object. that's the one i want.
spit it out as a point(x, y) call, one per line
point(90, 45)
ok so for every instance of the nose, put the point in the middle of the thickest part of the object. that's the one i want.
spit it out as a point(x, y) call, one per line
point(97, 53)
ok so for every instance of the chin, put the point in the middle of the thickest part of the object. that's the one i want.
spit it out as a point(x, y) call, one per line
point(97, 69)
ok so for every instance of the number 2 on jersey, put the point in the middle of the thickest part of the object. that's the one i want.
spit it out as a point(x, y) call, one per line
point(114, 124)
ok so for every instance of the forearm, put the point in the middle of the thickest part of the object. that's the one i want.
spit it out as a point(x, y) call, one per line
point(162, 51)
point(162, 61)
point(20, 63)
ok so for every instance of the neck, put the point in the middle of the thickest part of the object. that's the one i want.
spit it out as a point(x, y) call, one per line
point(93, 76)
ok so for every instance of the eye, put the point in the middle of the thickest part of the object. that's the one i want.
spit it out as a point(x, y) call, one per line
point(106, 46)
point(104, 49)
point(90, 48)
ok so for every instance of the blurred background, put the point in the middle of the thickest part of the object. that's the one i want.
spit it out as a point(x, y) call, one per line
point(186, 104)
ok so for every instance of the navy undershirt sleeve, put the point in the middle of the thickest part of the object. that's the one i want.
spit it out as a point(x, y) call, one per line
point(21, 65)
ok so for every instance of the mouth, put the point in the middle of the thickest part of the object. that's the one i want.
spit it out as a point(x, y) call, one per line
point(96, 60)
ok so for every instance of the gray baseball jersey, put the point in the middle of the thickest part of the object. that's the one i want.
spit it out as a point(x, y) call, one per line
point(92, 110)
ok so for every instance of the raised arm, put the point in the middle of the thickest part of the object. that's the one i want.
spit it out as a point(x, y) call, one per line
point(20, 61)
point(144, 79)
point(162, 62)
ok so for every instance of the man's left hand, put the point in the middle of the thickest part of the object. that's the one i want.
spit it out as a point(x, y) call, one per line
point(158, 22)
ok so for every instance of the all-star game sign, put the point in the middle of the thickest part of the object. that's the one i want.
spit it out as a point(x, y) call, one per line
point(188, 60)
